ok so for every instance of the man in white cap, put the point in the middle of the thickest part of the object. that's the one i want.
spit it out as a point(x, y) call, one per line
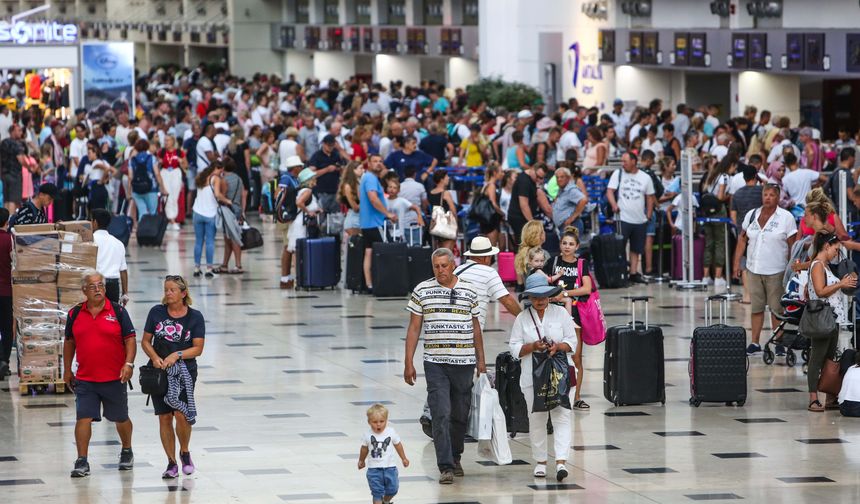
point(487, 283)
point(288, 179)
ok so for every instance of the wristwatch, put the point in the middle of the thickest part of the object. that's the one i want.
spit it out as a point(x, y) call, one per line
point(179, 354)
point(564, 293)
point(130, 364)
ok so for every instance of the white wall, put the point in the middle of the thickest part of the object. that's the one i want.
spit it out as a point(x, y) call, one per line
point(778, 93)
point(820, 14)
point(595, 82)
point(331, 65)
point(643, 85)
point(250, 45)
point(462, 72)
point(162, 54)
point(674, 14)
point(299, 63)
point(404, 68)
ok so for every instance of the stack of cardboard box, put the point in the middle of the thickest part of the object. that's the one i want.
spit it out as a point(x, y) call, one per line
point(47, 263)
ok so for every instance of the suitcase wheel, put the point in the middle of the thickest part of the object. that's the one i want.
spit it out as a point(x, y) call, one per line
point(694, 402)
point(740, 403)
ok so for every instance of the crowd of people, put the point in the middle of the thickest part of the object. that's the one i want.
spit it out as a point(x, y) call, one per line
point(382, 162)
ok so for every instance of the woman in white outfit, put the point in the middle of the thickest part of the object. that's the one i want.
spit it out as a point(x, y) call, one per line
point(543, 327)
point(173, 164)
point(308, 207)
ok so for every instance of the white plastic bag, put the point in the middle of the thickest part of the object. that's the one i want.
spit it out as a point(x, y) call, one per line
point(497, 449)
point(481, 412)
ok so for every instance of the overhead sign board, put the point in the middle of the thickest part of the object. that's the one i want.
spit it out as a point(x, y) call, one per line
point(43, 32)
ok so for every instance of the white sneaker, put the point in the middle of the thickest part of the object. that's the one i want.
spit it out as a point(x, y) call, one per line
point(720, 284)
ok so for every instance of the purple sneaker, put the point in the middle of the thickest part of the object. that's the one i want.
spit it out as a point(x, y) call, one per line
point(187, 464)
point(171, 472)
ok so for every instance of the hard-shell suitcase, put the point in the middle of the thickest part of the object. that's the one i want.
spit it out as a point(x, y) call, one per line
point(355, 264)
point(718, 360)
point(390, 269)
point(678, 257)
point(317, 263)
point(511, 397)
point(63, 206)
point(420, 265)
point(507, 271)
point(610, 264)
point(120, 225)
point(151, 228)
point(633, 364)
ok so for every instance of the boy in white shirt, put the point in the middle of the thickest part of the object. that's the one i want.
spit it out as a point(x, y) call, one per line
point(382, 467)
point(402, 207)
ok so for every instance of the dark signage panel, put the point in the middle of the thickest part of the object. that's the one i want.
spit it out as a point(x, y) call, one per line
point(757, 50)
point(635, 47)
point(814, 51)
point(682, 49)
point(698, 48)
point(651, 46)
point(794, 51)
point(740, 50)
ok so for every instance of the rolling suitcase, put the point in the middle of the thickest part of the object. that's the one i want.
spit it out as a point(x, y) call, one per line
point(151, 228)
point(390, 269)
point(678, 257)
point(420, 258)
point(633, 366)
point(317, 263)
point(355, 264)
point(718, 360)
point(611, 270)
point(120, 225)
point(511, 397)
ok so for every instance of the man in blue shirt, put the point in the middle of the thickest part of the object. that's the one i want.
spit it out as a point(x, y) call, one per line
point(287, 178)
point(410, 156)
point(372, 212)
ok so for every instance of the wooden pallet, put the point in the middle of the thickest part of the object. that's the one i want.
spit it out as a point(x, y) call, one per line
point(59, 387)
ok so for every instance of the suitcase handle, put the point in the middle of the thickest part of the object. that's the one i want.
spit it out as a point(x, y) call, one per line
point(709, 310)
point(633, 301)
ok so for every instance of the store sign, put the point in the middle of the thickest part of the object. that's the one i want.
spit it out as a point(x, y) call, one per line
point(586, 67)
point(21, 32)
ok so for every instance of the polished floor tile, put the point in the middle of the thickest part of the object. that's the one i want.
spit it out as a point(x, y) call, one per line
point(285, 379)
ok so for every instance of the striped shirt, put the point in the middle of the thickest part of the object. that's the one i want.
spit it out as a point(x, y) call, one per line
point(487, 284)
point(448, 337)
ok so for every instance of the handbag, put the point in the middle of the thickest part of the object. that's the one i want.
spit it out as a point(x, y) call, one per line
point(482, 210)
point(312, 226)
point(251, 238)
point(818, 320)
point(153, 381)
point(830, 380)
point(443, 224)
point(497, 449)
point(551, 378)
point(845, 267)
point(591, 320)
point(480, 424)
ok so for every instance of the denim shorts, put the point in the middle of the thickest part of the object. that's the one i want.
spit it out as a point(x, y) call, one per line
point(383, 481)
point(93, 398)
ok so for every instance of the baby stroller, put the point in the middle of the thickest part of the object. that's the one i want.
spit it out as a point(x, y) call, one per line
point(791, 339)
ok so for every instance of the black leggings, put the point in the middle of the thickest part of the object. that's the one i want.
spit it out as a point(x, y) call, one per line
point(255, 190)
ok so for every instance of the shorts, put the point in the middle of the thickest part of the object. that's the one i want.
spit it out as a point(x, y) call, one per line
point(371, 236)
point(351, 221)
point(284, 229)
point(93, 398)
point(635, 234)
point(12, 189)
point(161, 407)
point(383, 482)
point(652, 224)
point(765, 290)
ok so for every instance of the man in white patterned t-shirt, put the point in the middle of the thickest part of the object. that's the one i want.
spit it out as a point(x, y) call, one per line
point(447, 309)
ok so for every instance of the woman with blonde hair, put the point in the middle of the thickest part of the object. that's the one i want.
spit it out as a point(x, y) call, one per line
point(347, 195)
point(821, 215)
point(532, 236)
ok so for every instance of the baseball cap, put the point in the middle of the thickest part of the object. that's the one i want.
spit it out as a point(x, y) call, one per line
point(618, 101)
point(524, 114)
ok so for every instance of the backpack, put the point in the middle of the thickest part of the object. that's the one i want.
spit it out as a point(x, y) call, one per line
point(709, 204)
point(286, 209)
point(76, 310)
point(658, 184)
point(141, 183)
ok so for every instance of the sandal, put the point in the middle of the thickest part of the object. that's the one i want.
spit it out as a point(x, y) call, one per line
point(220, 270)
point(815, 406)
point(540, 471)
point(581, 405)
point(235, 271)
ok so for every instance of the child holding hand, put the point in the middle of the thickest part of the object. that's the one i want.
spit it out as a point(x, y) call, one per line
point(382, 467)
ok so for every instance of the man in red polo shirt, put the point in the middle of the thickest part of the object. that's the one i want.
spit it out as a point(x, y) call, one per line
point(102, 337)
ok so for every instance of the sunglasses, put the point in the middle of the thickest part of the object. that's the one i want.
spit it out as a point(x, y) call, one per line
point(453, 296)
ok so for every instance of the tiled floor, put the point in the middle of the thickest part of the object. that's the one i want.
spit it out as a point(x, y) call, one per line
point(282, 395)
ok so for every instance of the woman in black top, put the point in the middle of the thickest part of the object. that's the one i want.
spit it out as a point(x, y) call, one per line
point(563, 270)
point(174, 331)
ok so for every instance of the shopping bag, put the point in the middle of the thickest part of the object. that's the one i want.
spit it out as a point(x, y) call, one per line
point(592, 322)
point(551, 376)
point(497, 449)
point(481, 412)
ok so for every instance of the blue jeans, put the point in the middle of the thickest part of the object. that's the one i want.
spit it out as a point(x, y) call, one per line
point(383, 481)
point(204, 231)
point(147, 204)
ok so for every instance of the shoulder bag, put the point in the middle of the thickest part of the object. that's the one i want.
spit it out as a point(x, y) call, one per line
point(818, 320)
point(443, 224)
point(591, 320)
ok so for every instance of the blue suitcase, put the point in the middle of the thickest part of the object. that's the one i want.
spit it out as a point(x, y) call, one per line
point(317, 263)
point(120, 225)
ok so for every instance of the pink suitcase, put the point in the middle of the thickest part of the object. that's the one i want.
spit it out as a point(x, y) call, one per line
point(506, 267)
point(678, 258)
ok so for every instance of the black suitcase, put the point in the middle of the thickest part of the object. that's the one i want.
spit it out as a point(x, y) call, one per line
point(150, 229)
point(63, 206)
point(420, 265)
point(633, 362)
point(511, 398)
point(355, 264)
point(610, 264)
point(390, 269)
point(718, 360)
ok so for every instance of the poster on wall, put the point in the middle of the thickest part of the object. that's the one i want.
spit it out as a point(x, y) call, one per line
point(814, 51)
point(650, 47)
point(740, 50)
point(758, 51)
point(794, 51)
point(635, 47)
point(107, 77)
point(682, 49)
point(698, 48)
point(606, 46)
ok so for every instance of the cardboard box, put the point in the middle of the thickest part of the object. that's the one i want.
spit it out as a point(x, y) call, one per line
point(34, 228)
point(34, 260)
point(40, 348)
point(31, 277)
point(39, 369)
point(69, 279)
point(41, 332)
point(83, 228)
point(31, 293)
point(69, 236)
point(77, 256)
point(70, 297)
point(47, 241)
